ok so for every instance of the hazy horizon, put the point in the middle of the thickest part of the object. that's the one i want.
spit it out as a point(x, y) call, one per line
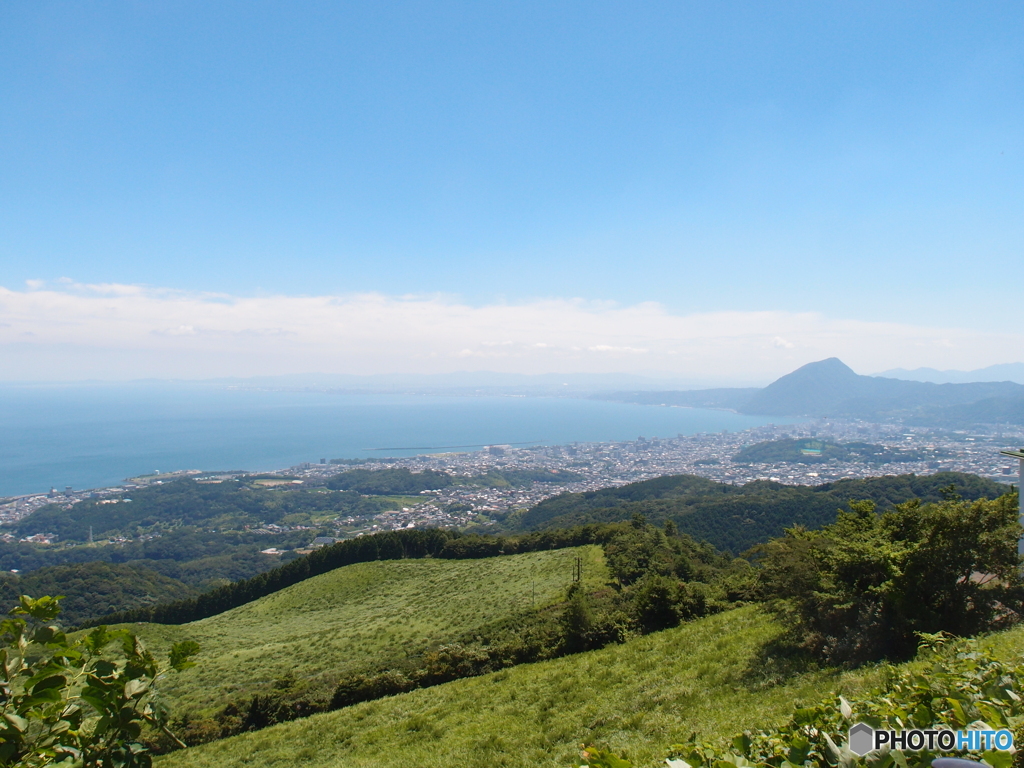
point(540, 383)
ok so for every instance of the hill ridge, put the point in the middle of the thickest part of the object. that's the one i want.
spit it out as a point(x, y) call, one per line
point(830, 388)
point(356, 618)
point(736, 517)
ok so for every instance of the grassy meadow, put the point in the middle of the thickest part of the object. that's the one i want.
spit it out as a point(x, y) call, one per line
point(357, 617)
point(638, 698)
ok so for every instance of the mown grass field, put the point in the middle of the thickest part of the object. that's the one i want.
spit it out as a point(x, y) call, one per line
point(638, 698)
point(357, 617)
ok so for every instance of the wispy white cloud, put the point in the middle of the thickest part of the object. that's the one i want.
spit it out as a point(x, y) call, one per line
point(74, 330)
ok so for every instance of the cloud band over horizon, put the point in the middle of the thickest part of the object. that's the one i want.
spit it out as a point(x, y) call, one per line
point(71, 331)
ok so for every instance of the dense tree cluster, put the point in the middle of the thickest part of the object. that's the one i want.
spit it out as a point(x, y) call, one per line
point(866, 586)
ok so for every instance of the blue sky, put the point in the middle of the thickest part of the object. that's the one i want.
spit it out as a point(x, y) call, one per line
point(804, 179)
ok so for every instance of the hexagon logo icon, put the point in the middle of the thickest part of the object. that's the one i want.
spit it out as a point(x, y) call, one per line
point(861, 739)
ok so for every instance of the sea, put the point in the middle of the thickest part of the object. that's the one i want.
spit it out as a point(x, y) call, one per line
point(95, 436)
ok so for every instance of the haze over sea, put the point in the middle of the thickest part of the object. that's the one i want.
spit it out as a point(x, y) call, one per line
point(95, 436)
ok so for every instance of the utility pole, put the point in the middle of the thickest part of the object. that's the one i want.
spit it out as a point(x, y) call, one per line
point(1020, 496)
point(577, 570)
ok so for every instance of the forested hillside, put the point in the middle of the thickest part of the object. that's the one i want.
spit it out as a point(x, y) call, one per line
point(229, 505)
point(92, 589)
point(738, 517)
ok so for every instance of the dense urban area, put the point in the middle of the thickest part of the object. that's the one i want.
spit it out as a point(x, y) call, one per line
point(590, 466)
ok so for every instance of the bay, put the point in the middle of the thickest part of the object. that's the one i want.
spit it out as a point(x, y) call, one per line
point(94, 436)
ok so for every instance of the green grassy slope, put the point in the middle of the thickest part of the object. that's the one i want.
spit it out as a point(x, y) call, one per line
point(353, 618)
point(638, 698)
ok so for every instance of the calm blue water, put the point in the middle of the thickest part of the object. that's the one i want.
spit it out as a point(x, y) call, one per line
point(94, 436)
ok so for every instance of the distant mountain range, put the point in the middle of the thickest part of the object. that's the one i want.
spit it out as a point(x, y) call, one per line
point(831, 388)
point(1003, 372)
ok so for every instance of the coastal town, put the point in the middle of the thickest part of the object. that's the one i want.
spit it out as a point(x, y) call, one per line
point(602, 465)
point(589, 466)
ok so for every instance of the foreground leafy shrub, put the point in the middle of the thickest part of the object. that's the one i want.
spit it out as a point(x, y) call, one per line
point(77, 702)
